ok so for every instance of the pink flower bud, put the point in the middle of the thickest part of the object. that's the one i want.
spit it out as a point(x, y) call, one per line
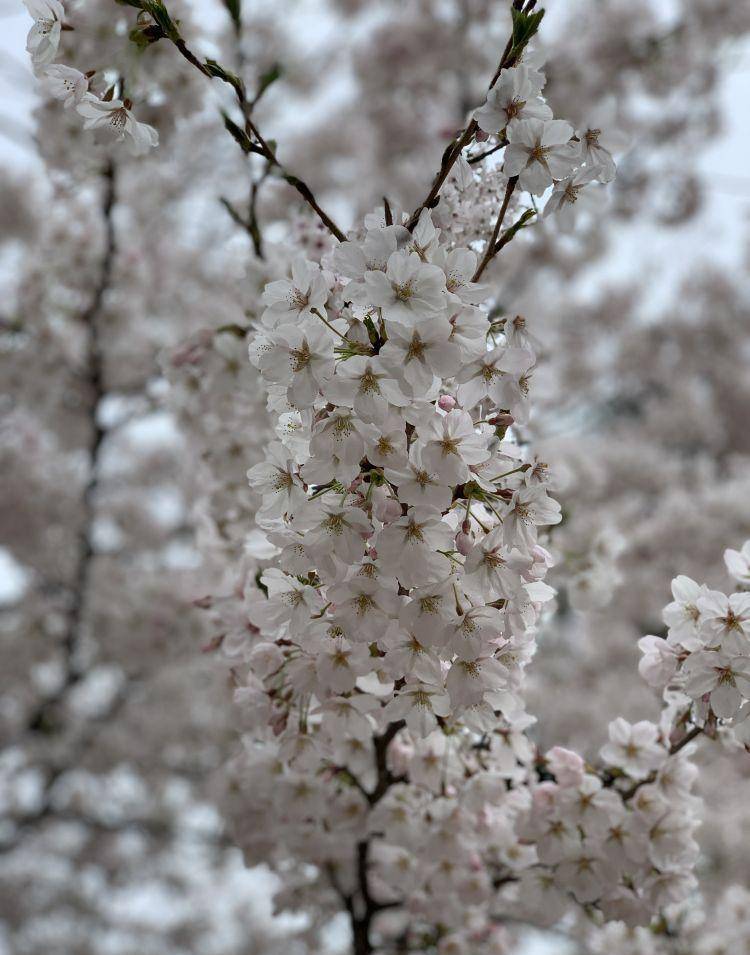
point(464, 543)
point(466, 526)
point(213, 644)
point(446, 402)
point(566, 766)
point(388, 510)
point(278, 721)
point(502, 420)
point(481, 136)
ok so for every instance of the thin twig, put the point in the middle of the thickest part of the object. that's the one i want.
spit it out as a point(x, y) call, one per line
point(492, 246)
point(454, 149)
point(246, 106)
point(488, 152)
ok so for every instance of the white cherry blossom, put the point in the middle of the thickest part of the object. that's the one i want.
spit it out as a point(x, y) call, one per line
point(115, 116)
point(539, 153)
point(634, 748)
point(738, 564)
point(451, 445)
point(44, 36)
point(409, 291)
point(66, 84)
point(514, 97)
point(291, 302)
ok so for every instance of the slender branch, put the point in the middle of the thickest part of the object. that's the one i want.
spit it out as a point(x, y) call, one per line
point(450, 157)
point(688, 738)
point(90, 319)
point(361, 916)
point(192, 58)
point(325, 321)
point(385, 778)
point(253, 225)
point(492, 246)
point(302, 188)
point(509, 58)
point(214, 70)
point(488, 152)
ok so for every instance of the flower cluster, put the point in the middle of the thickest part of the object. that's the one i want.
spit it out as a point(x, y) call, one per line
point(73, 88)
point(540, 151)
point(398, 614)
point(396, 608)
point(394, 623)
point(405, 519)
point(705, 657)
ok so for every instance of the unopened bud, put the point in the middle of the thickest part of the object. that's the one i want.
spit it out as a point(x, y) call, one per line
point(502, 420)
point(464, 543)
point(446, 402)
point(213, 644)
point(388, 510)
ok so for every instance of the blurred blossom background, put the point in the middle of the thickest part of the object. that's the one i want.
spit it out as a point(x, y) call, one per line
point(129, 416)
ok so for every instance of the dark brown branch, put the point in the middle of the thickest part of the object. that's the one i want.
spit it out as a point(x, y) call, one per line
point(39, 721)
point(488, 152)
point(246, 107)
point(450, 156)
point(493, 247)
point(361, 915)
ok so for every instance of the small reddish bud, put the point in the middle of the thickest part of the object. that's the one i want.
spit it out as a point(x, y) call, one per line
point(502, 420)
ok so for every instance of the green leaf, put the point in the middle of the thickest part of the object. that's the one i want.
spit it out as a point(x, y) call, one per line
point(510, 233)
point(240, 136)
point(217, 70)
point(268, 79)
point(234, 7)
point(158, 12)
point(525, 26)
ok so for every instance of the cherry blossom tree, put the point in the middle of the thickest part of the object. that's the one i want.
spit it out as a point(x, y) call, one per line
point(387, 561)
